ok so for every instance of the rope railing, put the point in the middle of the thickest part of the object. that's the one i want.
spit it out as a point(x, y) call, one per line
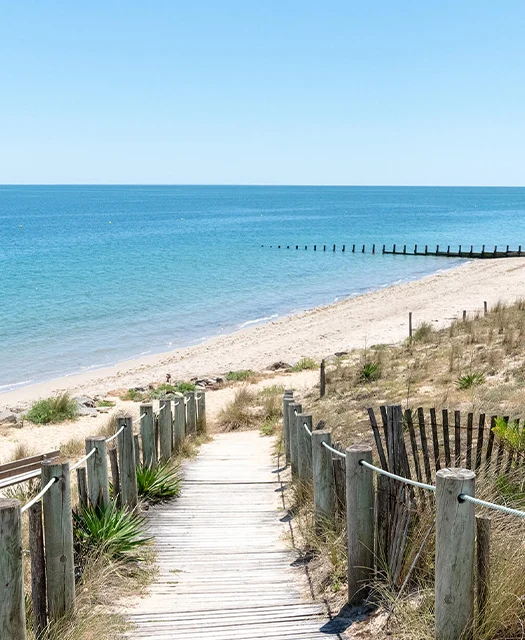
point(116, 434)
point(142, 415)
point(39, 495)
point(490, 505)
point(307, 429)
point(414, 483)
point(336, 451)
point(82, 460)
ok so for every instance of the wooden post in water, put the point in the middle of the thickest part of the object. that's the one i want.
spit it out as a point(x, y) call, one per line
point(455, 541)
point(315, 247)
point(410, 326)
point(294, 454)
point(58, 534)
point(426, 249)
point(82, 486)
point(38, 569)
point(323, 477)
point(437, 249)
point(384, 248)
point(12, 605)
point(322, 379)
point(519, 251)
point(363, 249)
point(471, 250)
point(97, 472)
point(305, 447)
point(353, 248)
point(200, 399)
point(495, 249)
point(359, 522)
point(415, 249)
point(179, 421)
point(333, 248)
point(404, 249)
point(482, 565)
point(459, 251)
point(483, 250)
point(191, 414)
point(343, 250)
point(165, 430)
point(147, 433)
point(373, 248)
point(448, 250)
point(394, 249)
point(128, 470)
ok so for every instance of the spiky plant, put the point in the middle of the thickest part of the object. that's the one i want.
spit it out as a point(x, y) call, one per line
point(158, 482)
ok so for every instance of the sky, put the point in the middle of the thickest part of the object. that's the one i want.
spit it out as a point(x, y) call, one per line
point(208, 92)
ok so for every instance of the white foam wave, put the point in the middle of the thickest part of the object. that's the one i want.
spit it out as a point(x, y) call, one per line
point(258, 320)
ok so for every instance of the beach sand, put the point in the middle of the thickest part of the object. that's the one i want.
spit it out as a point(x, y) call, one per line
point(377, 317)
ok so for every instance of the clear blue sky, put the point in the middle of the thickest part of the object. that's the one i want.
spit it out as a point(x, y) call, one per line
point(375, 92)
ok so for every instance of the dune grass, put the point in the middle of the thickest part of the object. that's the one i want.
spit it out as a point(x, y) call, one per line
point(58, 408)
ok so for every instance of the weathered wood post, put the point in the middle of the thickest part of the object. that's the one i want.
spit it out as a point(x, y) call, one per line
point(410, 326)
point(97, 472)
point(464, 315)
point(136, 447)
point(147, 433)
point(201, 411)
point(12, 607)
point(191, 414)
point(359, 522)
point(82, 486)
point(128, 470)
point(165, 430)
point(485, 307)
point(179, 421)
point(455, 539)
point(304, 445)
point(58, 535)
point(322, 379)
point(323, 477)
point(482, 566)
point(287, 400)
point(38, 569)
point(115, 475)
point(295, 409)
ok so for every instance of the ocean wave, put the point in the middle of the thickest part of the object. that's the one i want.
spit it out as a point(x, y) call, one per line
point(258, 320)
point(14, 385)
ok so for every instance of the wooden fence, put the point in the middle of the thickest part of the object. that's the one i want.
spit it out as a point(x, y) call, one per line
point(377, 527)
point(51, 536)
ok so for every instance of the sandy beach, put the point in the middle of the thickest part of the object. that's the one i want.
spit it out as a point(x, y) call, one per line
point(377, 317)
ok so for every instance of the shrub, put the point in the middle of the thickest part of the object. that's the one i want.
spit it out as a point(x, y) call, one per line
point(369, 372)
point(73, 447)
point(116, 532)
point(182, 387)
point(240, 376)
point(304, 364)
point(133, 395)
point(56, 409)
point(423, 332)
point(158, 483)
point(239, 413)
point(166, 389)
point(105, 403)
point(268, 427)
point(511, 433)
point(470, 380)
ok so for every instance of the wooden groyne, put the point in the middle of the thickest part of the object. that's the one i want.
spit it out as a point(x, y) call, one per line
point(439, 251)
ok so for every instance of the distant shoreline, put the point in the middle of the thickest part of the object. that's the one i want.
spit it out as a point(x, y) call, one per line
point(380, 316)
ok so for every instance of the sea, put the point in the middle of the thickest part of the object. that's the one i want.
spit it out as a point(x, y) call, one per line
point(94, 275)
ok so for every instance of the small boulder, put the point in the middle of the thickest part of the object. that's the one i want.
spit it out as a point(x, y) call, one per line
point(85, 401)
point(86, 411)
point(279, 366)
point(8, 417)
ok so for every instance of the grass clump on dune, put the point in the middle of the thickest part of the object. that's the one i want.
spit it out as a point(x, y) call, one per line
point(305, 364)
point(58, 408)
point(241, 375)
point(158, 483)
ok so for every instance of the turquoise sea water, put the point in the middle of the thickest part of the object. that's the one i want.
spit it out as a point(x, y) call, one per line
point(93, 275)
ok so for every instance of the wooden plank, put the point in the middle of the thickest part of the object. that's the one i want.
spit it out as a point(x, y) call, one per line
point(413, 442)
point(490, 443)
point(17, 467)
point(446, 438)
point(435, 441)
point(479, 443)
point(377, 438)
point(457, 438)
point(470, 425)
point(424, 443)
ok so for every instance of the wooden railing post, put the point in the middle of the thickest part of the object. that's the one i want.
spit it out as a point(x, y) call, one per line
point(304, 445)
point(323, 477)
point(179, 421)
point(12, 606)
point(58, 535)
point(115, 475)
point(97, 472)
point(455, 540)
point(147, 433)
point(359, 522)
point(165, 430)
point(82, 486)
point(38, 569)
point(287, 401)
point(128, 470)
point(201, 410)
point(191, 413)
point(322, 379)
point(294, 408)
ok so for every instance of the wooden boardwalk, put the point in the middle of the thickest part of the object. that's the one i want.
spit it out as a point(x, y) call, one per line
point(225, 568)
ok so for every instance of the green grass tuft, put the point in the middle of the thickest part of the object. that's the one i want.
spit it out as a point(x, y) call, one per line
point(305, 364)
point(470, 380)
point(51, 410)
point(158, 483)
point(370, 372)
point(423, 332)
point(240, 375)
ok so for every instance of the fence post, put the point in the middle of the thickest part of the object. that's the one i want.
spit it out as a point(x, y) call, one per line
point(287, 400)
point(97, 472)
point(304, 445)
point(201, 410)
point(191, 414)
point(295, 407)
point(165, 430)
point(115, 475)
point(12, 606)
point(322, 379)
point(38, 569)
point(147, 433)
point(359, 521)
point(58, 535)
point(179, 421)
point(128, 470)
point(455, 538)
point(323, 477)
point(82, 486)
point(410, 326)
